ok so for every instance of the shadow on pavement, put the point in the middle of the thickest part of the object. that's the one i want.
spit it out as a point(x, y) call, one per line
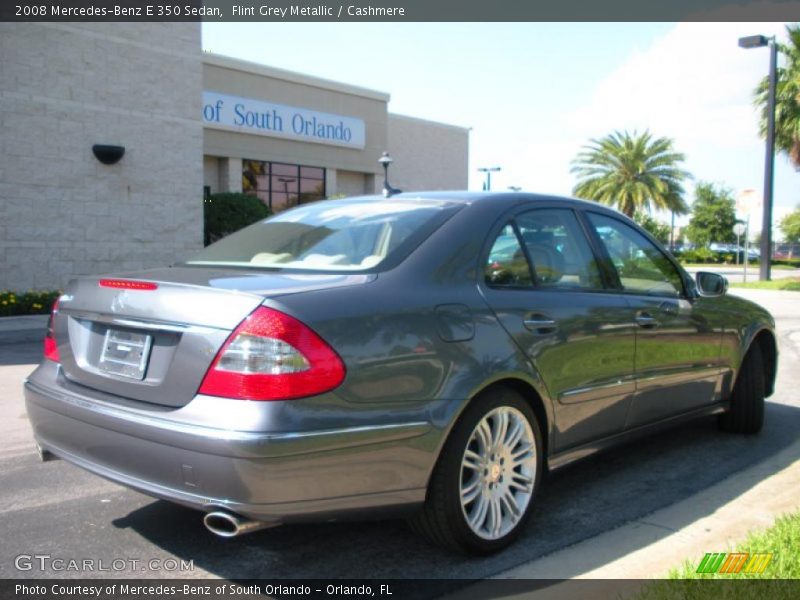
point(28, 353)
point(576, 503)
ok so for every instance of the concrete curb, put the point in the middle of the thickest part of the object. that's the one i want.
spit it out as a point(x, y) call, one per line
point(720, 529)
point(17, 330)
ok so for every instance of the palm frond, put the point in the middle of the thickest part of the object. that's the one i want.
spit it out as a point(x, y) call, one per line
point(631, 171)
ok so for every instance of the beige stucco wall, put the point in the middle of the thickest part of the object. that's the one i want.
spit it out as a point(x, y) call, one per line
point(65, 87)
point(249, 80)
point(427, 155)
point(349, 183)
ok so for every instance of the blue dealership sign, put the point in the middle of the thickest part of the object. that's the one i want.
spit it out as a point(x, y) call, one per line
point(248, 115)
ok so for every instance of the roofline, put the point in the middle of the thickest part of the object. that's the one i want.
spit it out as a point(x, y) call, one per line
point(236, 64)
point(470, 197)
point(429, 122)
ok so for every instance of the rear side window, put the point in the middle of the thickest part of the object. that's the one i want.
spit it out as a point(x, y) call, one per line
point(558, 250)
point(507, 265)
point(546, 248)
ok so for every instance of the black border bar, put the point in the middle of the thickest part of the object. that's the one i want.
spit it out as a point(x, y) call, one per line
point(392, 589)
point(397, 10)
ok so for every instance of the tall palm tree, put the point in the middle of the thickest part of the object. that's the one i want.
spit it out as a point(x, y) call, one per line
point(787, 99)
point(632, 172)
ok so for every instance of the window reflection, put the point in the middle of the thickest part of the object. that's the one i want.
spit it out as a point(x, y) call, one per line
point(282, 185)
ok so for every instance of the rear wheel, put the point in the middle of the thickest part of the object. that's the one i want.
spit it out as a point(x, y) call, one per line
point(482, 488)
point(746, 413)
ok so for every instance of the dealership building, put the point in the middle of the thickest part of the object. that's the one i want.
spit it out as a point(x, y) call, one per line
point(73, 96)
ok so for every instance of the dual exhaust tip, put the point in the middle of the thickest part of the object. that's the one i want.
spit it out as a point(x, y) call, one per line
point(227, 524)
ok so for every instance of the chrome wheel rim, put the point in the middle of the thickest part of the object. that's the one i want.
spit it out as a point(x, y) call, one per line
point(498, 470)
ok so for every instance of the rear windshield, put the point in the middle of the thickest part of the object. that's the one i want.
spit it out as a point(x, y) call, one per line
point(331, 235)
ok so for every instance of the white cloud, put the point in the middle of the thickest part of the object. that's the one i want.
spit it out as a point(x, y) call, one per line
point(693, 84)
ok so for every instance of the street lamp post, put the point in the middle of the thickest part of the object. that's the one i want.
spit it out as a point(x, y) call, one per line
point(739, 229)
point(759, 41)
point(385, 161)
point(488, 170)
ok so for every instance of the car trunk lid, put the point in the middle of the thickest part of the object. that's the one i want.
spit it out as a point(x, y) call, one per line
point(151, 335)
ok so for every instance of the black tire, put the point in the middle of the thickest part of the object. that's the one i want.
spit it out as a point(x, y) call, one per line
point(442, 519)
point(746, 413)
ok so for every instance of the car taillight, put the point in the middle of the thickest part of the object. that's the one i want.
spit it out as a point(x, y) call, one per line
point(272, 356)
point(50, 346)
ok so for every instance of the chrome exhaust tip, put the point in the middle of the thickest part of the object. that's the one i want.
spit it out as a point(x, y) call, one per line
point(227, 524)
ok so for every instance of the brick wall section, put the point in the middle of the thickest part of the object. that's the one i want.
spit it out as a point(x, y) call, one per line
point(65, 87)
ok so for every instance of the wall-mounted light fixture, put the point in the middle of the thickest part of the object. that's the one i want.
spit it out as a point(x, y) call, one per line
point(108, 155)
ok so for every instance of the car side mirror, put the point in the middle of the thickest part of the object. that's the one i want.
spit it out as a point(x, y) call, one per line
point(711, 284)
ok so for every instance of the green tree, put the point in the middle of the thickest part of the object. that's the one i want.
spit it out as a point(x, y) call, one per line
point(632, 172)
point(713, 215)
point(790, 226)
point(657, 229)
point(787, 98)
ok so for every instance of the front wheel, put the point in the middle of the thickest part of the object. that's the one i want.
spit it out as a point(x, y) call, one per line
point(482, 489)
point(746, 413)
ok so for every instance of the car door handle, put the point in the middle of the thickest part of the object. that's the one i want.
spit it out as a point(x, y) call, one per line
point(646, 321)
point(540, 325)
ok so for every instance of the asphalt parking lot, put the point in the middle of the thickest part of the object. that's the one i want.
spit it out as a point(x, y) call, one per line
point(58, 510)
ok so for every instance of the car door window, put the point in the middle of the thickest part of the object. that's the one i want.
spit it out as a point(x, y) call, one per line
point(641, 266)
point(558, 250)
point(507, 265)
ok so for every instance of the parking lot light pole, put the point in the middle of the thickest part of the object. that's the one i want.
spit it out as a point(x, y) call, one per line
point(759, 41)
point(488, 170)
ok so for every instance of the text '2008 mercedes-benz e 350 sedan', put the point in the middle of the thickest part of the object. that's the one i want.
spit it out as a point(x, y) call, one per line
point(429, 353)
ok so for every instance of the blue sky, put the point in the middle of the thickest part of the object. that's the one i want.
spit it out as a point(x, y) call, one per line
point(533, 93)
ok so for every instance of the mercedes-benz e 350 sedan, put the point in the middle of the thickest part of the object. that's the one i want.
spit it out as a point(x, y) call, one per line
point(428, 353)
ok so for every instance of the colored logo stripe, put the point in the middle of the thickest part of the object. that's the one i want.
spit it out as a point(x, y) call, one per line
point(758, 563)
point(734, 562)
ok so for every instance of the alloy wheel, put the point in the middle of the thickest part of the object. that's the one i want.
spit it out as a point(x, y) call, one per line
point(498, 471)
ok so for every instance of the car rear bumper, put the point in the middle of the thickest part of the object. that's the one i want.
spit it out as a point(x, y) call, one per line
point(271, 476)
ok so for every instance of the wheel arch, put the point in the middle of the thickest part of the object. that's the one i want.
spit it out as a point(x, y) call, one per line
point(542, 410)
point(537, 404)
point(765, 339)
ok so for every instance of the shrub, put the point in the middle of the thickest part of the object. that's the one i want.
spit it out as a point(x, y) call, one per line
point(225, 213)
point(700, 255)
point(27, 303)
point(789, 262)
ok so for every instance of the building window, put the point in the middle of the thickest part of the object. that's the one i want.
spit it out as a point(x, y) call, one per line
point(280, 185)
